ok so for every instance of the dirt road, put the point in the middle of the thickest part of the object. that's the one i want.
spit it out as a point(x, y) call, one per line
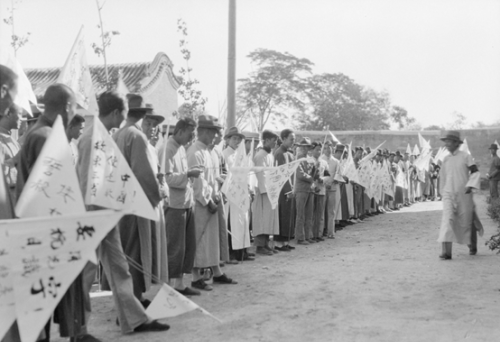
point(380, 280)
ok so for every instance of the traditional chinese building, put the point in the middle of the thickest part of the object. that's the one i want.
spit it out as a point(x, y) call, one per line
point(155, 81)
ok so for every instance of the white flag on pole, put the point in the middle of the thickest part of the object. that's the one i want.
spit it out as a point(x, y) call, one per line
point(112, 184)
point(76, 75)
point(52, 188)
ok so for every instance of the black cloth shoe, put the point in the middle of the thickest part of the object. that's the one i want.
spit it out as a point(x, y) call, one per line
point(189, 292)
point(152, 326)
point(223, 279)
point(282, 249)
point(84, 338)
point(445, 257)
point(472, 251)
point(200, 284)
point(290, 247)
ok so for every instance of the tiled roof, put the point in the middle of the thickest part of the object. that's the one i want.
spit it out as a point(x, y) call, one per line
point(132, 74)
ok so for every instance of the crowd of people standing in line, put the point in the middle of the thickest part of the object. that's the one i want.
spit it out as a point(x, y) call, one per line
point(198, 231)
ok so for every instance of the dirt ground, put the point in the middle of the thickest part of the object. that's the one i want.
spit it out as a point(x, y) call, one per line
point(380, 280)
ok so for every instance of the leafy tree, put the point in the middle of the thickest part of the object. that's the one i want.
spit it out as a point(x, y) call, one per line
point(194, 102)
point(433, 128)
point(337, 102)
point(17, 41)
point(400, 116)
point(459, 121)
point(276, 87)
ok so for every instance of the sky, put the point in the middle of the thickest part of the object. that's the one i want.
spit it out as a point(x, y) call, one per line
point(434, 57)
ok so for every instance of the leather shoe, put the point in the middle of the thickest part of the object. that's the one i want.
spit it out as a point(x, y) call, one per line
point(200, 284)
point(152, 326)
point(445, 257)
point(189, 292)
point(84, 338)
point(223, 279)
point(263, 251)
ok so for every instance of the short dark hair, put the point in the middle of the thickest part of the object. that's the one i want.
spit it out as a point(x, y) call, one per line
point(269, 135)
point(77, 119)
point(7, 76)
point(56, 96)
point(183, 124)
point(285, 133)
point(109, 101)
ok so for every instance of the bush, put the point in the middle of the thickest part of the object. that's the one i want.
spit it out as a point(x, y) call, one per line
point(494, 212)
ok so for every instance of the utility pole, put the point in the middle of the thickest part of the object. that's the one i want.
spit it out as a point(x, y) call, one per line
point(231, 67)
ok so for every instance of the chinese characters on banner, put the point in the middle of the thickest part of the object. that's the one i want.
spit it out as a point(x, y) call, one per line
point(386, 180)
point(7, 301)
point(52, 188)
point(236, 185)
point(45, 255)
point(76, 75)
point(364, 174)
point(111, 183)
point(350, 168)
point(170, 303)
point(276, 178)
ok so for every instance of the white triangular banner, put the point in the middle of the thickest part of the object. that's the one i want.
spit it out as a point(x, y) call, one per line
point(112, 184)
point(169, 303)
point(464, 147)
point(76, 75)
point(25, 93)
point(52, 188)
point(7, 299)
point(45, 256)
point(277, 177)
point(350, 168)
point(416, 150)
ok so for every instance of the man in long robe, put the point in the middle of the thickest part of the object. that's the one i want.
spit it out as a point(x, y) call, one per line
point(131, 314)
point(332, 187)
point(135, 231)
point(286, 206)
point(238, 220)
point(265, 219)
point(149, 127)
point(207, 202)
point(459, 174)
point(220, 176)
